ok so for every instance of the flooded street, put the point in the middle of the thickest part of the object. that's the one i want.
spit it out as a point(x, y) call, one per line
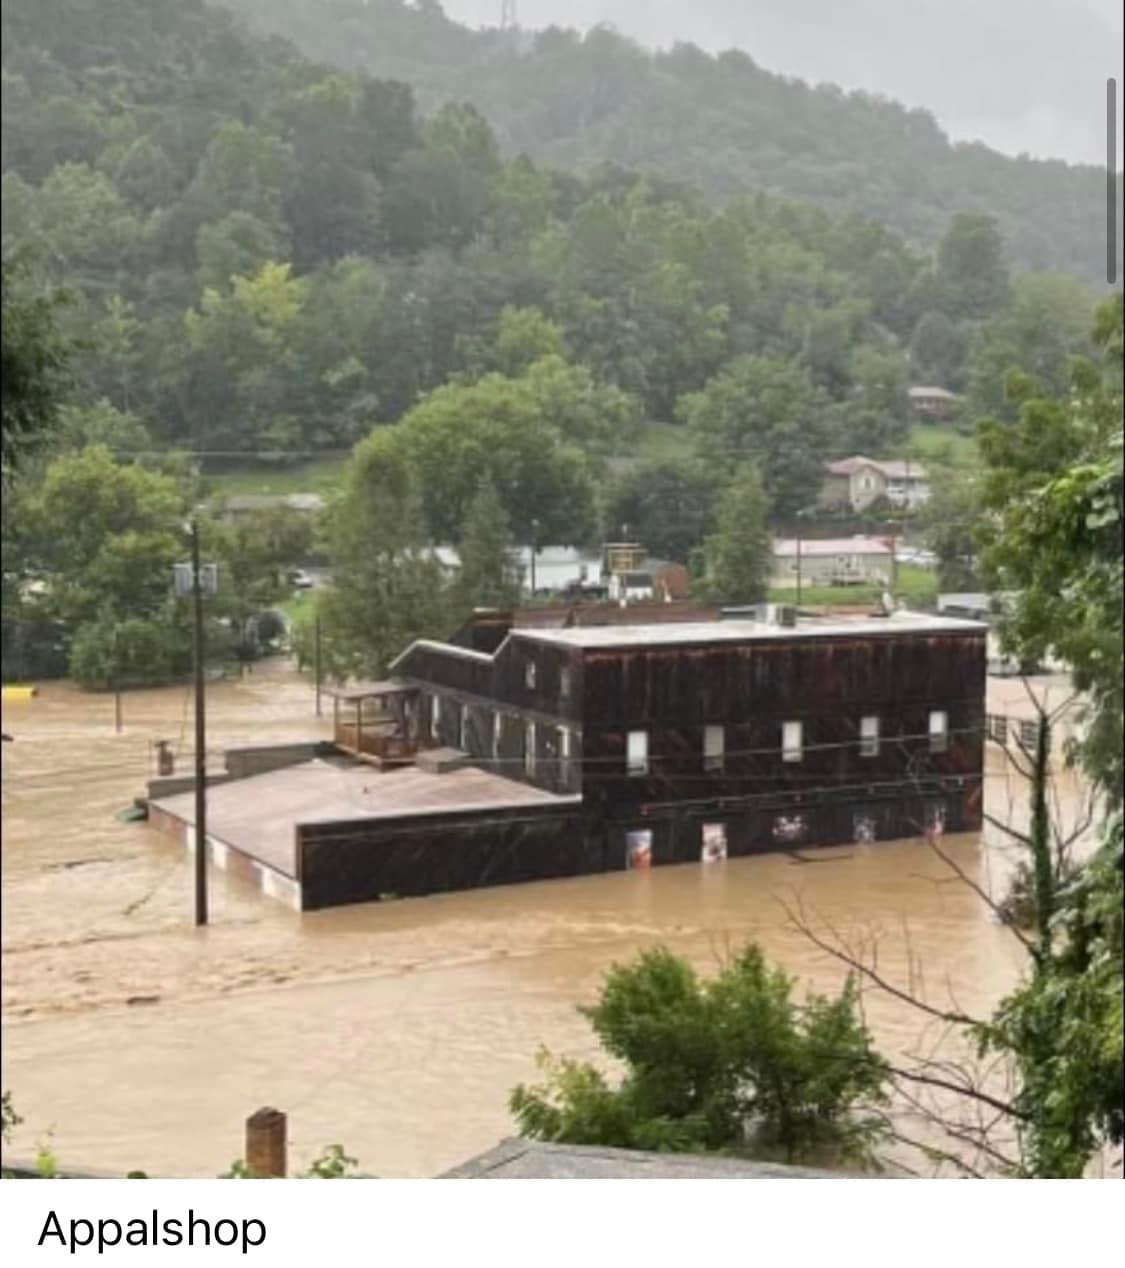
point(395, 1029)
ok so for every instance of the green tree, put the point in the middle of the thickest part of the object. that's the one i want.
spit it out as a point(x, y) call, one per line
point(101, 424)
point(242, 361)
point(1052, 488)
point(496, 427)
point(238, 245)
point(972, 271)
point(488, 575)
point(110, 533)
point(738, 555)
point(524, 336)
point(387, 587)
point(668, 506)
point(34, 366)
point(937, 350)
point(729, 1065)
point(949, 520)
point(257, 552)
point(1045, 324)
point(764, 411)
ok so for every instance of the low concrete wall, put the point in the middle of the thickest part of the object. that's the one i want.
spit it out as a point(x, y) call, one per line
point(172, 785)
point(257, 759)
point(260, 758)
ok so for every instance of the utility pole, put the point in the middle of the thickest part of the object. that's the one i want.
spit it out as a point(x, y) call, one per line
point(116, 682)
point(195, 581)
point(316, 659)
point(200, 737)
point(798, 569)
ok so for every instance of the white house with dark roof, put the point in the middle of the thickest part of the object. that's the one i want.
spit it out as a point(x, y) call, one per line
point(857, 483)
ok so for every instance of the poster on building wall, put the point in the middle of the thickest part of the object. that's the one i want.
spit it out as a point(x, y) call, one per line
point(638, 849)
point(935, 821)
point(714, 843)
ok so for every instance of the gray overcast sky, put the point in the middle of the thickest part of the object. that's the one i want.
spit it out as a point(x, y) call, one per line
point(1020, 75)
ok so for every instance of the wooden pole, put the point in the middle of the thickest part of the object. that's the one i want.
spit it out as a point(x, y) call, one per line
point(316, 660)
point(200, 737)
point(266, 1144)
point(798, 570)
point(117, 710)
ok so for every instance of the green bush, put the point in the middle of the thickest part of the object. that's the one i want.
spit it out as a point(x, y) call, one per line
point(731, 1065)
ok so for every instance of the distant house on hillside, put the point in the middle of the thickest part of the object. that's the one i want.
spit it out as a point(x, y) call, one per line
point(837, 561)
point(933, 404)
point(857, 483)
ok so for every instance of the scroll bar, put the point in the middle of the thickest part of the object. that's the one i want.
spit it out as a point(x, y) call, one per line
point(1111, 180)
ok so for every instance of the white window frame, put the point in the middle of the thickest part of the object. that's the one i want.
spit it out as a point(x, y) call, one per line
point(529, 753)
point(939, 730)
point(565, 683)
point(565, 769)
point(792, 741)
point(714, 748)
point(529, 675)
point(435, 715)
point(636, 753)
point(869, 735)
point(497, 727)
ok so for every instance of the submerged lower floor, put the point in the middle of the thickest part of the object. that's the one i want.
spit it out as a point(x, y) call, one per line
point(325, 833)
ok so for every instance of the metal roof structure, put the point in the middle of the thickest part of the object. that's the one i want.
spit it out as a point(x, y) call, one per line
point(540, 1160)
point(710, 632)
point(811, 548)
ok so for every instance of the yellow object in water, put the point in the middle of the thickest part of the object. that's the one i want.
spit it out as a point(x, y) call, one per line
point(12, 694)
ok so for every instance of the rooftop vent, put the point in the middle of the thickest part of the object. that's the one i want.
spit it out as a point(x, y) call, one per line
point(781, 614)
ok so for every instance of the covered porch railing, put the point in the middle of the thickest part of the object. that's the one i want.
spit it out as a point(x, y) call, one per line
point(374, 721)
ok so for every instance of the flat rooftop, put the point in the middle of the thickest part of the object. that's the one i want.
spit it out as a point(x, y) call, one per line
point(258, 816)
point(674, 633)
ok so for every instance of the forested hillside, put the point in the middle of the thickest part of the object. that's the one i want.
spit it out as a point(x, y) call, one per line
point(266, 255)
point(721, 123)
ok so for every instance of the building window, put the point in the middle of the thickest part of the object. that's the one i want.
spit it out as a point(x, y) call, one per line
point(792, 741)
point(939, 731)
point(1029, 735)
point(869, 736)
point(714, 746)
point(566, 769)
point(998, 729)
point(564, 683)
point(529, 675)
point(435, 715)
point(529, 750)
point(636, 755)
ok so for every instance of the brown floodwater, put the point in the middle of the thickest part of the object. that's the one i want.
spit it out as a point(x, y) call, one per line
point(134, 1040)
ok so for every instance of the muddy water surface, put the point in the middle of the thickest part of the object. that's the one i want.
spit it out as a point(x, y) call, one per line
point(396, 1029)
